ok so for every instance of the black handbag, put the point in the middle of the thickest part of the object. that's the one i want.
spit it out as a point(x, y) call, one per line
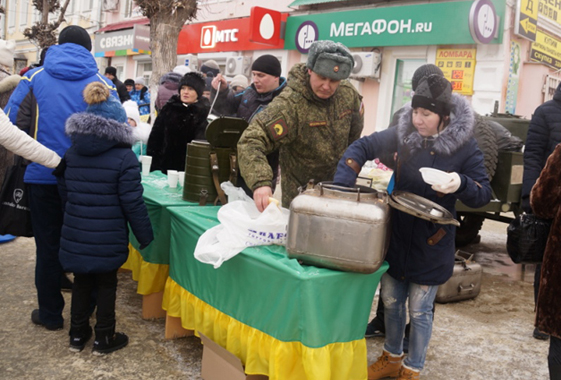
point(526, 238)
point(15, 215)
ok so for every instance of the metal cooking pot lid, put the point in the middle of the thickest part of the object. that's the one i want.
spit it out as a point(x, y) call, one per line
point(225, 132)
point(420, 207)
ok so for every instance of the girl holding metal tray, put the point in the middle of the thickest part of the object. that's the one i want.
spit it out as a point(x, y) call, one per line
point(436, 132)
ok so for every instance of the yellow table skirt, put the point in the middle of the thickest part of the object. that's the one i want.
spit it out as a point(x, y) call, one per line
point(151, 278)
point(261, 353)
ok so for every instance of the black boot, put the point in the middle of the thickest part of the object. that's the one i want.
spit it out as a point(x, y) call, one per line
point(107, 341)
point(79, 336)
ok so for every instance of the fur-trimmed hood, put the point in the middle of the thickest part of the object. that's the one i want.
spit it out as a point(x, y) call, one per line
point(8, 83)
point(456, 134)
point(92, 134)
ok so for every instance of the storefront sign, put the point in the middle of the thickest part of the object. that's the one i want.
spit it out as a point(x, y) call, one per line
point(458, 66)
point(483, 21)
point(426, 24)
point(546, 50)
point(526, 22)
point(513, 78)
point(550, 9)
point(265, 26)
point(123, 42)
point(227, 35)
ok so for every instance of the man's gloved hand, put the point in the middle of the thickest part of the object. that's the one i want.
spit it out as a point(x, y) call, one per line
point(449, 187)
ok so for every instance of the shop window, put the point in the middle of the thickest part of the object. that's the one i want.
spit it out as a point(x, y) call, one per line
point(402, 90)
point(551, 84)
point(11, 13)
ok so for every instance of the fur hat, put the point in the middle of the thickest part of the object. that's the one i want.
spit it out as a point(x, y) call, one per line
point(140, 80)
point(239, 80)
point(7, 50)
point(76, 35)
point(434, 93)
point(194, 80)
point(111, 70)
point(330, 59)
point(131, 109)
point(210, 66)
point(268, 64)
point(181, 69)
point(129, 82)
point(101, 103)
point(424, 71)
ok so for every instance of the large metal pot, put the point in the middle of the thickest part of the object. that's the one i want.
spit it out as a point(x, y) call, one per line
point(348, 229)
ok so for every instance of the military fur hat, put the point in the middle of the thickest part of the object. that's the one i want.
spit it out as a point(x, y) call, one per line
point(194, 80)
point(101, 103)
point(434, 93)
point(330, 59)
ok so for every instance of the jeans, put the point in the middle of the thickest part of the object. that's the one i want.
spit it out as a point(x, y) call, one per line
point(421, 299)
point(46, 219)
point(84, 284)
point(554, 358)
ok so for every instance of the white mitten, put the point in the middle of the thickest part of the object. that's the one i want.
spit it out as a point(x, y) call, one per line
point(449, 187)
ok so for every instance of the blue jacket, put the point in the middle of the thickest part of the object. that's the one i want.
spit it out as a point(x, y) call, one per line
point(48, 95)
point(142, 98)
point(420, 251)
point(544, 133)
point(100, 186)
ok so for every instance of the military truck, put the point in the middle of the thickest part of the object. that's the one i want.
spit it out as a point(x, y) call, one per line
point(505, 169)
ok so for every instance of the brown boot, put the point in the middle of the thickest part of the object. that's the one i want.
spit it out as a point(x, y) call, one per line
point(406, 373)
point(387, 365)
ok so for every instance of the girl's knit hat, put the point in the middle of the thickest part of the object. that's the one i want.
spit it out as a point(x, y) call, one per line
point(101, 103)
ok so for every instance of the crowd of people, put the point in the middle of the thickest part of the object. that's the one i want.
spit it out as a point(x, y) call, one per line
point(308, 125)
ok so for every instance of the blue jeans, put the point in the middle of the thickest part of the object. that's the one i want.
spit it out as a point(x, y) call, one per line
point(46, 219)
point(421, 300)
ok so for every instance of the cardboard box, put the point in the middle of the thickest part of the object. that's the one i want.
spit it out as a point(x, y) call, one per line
point(221, 364)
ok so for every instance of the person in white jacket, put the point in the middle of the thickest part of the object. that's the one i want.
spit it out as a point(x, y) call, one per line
point(20, 143)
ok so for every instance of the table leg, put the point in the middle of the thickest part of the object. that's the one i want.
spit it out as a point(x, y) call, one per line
point(174, 329)
point(152, 306)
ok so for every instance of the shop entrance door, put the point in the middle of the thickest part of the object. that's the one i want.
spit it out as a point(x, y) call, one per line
point(402, 90)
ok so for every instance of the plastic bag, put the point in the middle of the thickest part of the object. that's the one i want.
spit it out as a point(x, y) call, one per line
point(527, 237)
point(241, 226)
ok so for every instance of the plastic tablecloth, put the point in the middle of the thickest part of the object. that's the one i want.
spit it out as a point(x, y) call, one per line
point(150, 266)
point(282, 319)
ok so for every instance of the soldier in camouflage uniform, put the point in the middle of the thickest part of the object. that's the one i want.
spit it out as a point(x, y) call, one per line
point(312, 122)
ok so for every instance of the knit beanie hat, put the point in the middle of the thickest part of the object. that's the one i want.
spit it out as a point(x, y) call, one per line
point(129, 82)
point(131, 109)
point(111, 70)
point(239, 80)
point(101, 103)
point(181, 69)
point(76, 35)
point(330, 59)
point(194, 80)
point(424, 71)
point(140, 80)
point(7, 50)
point(268, 64)
point(434, 93)
point(210, 66)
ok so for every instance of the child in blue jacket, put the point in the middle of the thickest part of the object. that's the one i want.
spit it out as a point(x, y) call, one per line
point(99, 181)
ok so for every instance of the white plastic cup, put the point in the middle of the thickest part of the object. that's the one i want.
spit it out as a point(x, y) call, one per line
point(173, 178)
point(181, 178)
point(146, 164)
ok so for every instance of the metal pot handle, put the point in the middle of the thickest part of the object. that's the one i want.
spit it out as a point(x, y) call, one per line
point(341, 188)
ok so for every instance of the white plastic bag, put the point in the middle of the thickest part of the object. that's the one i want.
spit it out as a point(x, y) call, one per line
point(241, 226)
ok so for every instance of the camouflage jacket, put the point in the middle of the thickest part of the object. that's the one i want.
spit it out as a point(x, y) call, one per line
point(311, 133)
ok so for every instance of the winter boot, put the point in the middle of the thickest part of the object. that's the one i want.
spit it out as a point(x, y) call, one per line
point(79, 338)
point(387, 365)
point(106, 343)
point(406, 373)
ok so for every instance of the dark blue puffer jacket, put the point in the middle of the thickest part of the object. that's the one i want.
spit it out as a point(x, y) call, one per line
point(420, 251)
point(544, 133)
point(101, 188)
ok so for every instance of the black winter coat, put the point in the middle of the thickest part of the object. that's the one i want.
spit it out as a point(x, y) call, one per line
point(543, 136)
point(176, 125)
point(99, 181)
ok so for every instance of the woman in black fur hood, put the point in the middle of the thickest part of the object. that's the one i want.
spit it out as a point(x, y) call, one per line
point(182, 120)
